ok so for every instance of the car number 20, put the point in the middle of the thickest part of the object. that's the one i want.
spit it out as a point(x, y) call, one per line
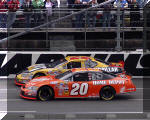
point(78, 89)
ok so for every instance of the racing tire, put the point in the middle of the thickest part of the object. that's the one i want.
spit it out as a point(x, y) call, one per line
point(45, 93)
point(38, 75)
point(107, 93)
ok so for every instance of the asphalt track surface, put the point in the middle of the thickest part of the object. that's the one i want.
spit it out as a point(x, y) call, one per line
point(130, 102)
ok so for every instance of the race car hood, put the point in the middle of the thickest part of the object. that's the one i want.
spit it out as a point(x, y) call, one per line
point(41, 66)
point(40, 80)
point(36, 67)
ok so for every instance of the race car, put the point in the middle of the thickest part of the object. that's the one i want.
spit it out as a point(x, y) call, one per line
point(64, 65)
point(77, 83)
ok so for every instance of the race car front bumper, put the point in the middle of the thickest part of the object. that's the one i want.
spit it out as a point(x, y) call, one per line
point(20, 82)
point(26, 94)
point(22, 95)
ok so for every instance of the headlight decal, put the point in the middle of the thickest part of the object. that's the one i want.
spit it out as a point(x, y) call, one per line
point(32, 88)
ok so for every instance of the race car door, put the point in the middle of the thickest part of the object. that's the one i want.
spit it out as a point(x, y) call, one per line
point(79, 85)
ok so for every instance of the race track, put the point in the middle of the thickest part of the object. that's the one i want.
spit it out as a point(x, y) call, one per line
point(132, 102)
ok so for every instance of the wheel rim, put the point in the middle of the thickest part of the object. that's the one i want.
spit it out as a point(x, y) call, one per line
point(45, 94)
point(107, 94)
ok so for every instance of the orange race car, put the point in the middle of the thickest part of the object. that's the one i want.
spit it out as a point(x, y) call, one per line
point(78, 83)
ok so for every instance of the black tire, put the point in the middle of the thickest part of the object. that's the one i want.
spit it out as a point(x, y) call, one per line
point(38, 75)
point(107, 93)
point(45, 93)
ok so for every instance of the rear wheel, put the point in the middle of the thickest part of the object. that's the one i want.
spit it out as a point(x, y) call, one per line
point(45, 93)
point(107, 93)
point(38, 75)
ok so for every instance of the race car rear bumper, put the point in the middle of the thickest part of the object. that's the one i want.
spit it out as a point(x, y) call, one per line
point(22, 95)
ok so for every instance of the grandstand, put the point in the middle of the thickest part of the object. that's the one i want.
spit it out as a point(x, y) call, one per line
point(61, 34)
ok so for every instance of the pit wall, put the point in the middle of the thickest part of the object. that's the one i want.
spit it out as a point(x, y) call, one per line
point(136, 63)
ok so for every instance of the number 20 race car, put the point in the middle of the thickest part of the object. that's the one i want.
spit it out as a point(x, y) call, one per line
point(78, 83)
point(64, 65)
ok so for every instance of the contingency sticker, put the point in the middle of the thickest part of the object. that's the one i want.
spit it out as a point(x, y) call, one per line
point(109, 69)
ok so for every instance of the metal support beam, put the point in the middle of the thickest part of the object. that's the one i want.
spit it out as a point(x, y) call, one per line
point(118, 46)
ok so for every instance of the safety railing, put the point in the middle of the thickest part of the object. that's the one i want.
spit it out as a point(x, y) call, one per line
point(38, 17)
point(93, 29)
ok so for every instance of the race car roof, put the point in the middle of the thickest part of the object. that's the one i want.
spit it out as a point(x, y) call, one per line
point(70, 58)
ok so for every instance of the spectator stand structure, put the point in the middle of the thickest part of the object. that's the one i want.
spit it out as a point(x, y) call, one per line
point(60, 31)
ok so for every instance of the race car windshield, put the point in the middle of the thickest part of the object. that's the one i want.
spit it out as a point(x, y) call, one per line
point(63, 74)
point(54, 64)
point(102, 61)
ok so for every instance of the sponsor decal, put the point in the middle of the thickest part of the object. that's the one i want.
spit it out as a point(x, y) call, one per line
point(114, 82)
point(54, 72)
point(63, 88)
point(54, 82)
point(66, 89)
point(122, 89)
point(102, 82)
point(109, 69)
point(40, 79)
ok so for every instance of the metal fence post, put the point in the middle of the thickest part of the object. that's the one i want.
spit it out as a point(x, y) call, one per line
point(118, 46)
point(123, 33)
point(46, 29)
point(85, 27)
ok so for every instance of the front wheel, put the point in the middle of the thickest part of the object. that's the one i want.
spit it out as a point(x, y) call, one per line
point(107, 93)
point(45, 93)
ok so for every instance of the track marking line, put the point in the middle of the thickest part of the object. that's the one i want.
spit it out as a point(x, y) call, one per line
point(4, 100)
point(16, 111)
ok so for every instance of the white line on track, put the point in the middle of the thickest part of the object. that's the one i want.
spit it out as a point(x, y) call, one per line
point(64, 113)
point(16, 111)
point(8, 89)
point(4, 100)
point(100, 112)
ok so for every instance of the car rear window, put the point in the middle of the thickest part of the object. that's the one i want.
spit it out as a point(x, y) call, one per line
point(54, 64)
point(107, 63)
